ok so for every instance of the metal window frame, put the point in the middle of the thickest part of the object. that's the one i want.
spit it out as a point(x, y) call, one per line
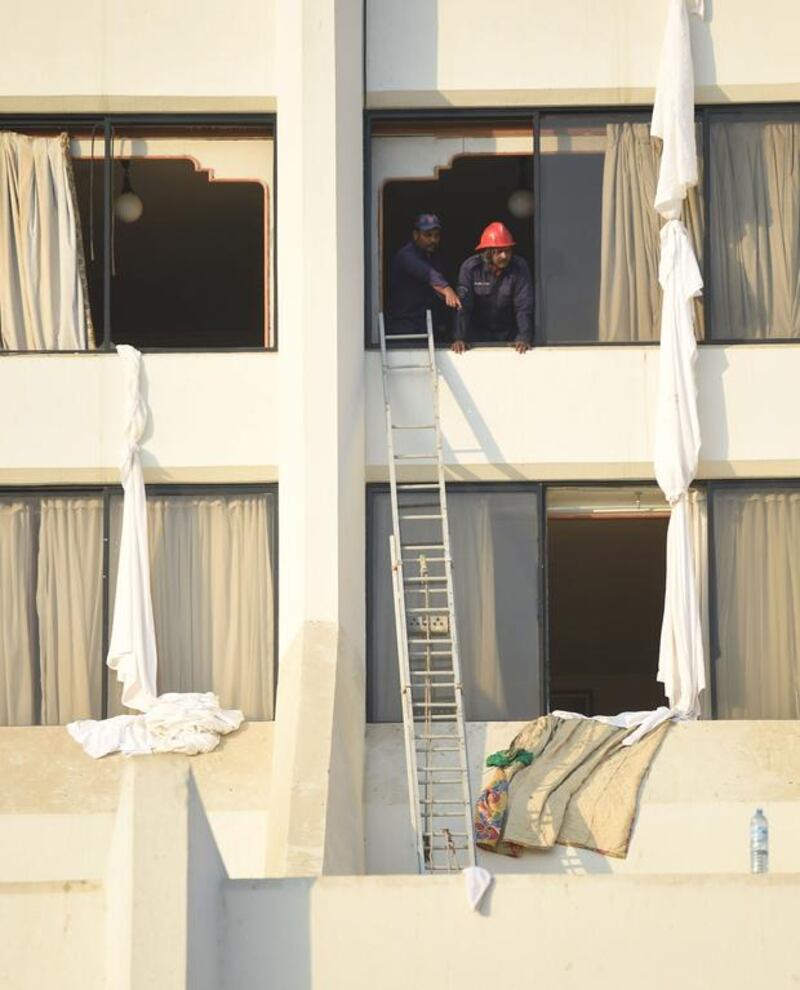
point(705, 115)
point(107, 492)
point(108, 123)
point(538, 490)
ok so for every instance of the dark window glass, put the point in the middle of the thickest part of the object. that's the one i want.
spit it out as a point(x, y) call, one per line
point(495, 547)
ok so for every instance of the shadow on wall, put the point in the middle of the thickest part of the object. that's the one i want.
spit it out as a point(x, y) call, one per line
point(705, 63)
point(486, 447)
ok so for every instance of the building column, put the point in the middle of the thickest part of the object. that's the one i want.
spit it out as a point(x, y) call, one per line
point(316, 808)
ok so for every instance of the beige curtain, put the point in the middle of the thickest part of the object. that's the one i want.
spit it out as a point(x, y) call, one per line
point(494, 541)
point(697, 507)
point(755, 229)
point(757, 548)
point(44, 300)
point(211, 575)
point(69, 601)
point(630, 296)
point(18, 647)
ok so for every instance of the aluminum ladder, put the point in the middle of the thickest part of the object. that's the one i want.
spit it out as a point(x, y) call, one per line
point(427, 643)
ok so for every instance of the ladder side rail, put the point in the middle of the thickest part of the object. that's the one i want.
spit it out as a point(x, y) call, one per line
point(396, 557)
point(456, 656)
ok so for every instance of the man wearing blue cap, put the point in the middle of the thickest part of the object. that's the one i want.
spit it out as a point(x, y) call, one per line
point(415, 282)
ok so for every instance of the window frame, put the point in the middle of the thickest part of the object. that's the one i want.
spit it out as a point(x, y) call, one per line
point(705, 115)
point(538, 490)
point(105, 125)
point(106, 493)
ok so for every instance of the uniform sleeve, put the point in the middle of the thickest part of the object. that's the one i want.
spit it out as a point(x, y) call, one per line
point(523, 304)
point(467, 297)
point(421, 270)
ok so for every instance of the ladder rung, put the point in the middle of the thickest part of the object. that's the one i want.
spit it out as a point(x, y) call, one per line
point(435, 718)
point(438, 735)
point(435, 609)
point(434, 704)
point(421, 426)
point(429, 515)
point(432, 673)
point(444, 781)
point(416, 486)
point(434, 642)
point(441, 749)
point(422, 546)
point(405, 336)
point(433, 579)
point(451, 804)
point(452, 835)
point(408, 367)
point(428, 456)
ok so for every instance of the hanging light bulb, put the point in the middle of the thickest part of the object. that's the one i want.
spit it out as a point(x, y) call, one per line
point(520, 202)
point(128, 206)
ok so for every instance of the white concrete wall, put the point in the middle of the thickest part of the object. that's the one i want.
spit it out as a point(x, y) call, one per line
point(458, 52)
point(57, 805)
point(705, 783)
point(96, 54)
point(583, 412)
point(568, 933)
point(214, 417)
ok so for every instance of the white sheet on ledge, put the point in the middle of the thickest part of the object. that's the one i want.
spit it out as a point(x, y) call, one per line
point(172, 723)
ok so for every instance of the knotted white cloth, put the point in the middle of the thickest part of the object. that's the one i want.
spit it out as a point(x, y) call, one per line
point(172, 723)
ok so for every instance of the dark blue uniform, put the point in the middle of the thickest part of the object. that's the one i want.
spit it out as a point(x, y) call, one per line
point(495, 307)
point(412, 277)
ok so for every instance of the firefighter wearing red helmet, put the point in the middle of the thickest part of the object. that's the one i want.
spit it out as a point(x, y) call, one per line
point(496, 293)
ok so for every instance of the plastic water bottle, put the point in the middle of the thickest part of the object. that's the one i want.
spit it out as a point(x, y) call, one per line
point(759, 843)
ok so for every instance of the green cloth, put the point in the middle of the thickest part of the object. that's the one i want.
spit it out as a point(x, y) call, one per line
point(505, 757)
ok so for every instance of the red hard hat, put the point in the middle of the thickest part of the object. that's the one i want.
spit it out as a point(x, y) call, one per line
point(496, 235)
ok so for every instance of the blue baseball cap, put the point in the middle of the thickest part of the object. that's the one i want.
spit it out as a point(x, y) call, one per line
point(427, 221)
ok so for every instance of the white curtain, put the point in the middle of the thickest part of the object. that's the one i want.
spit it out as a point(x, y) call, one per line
point(494, 542)
point(18, 646)
point(697, 511)
point(44, 301)
point(212, 586)
point(630, 295)
point(69, 601)
point(757, 549)
point(755, 229)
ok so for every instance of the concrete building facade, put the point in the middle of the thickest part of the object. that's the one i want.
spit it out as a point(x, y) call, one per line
point(284, 858)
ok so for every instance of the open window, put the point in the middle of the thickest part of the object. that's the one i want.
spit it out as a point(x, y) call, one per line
point(606, 576)
point(165, 229)
point(467, 173)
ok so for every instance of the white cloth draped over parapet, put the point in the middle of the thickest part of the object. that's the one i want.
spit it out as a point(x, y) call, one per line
point(177, 723)
point(681, 665)
point(44, 301)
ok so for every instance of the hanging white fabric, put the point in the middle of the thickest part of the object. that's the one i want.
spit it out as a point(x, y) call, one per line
point(673, 114)
point(132, 649)
point(176, 723)
point(681, 665)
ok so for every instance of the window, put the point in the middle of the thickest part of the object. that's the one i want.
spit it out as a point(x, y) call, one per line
point(163, 231)
point(495, 546)
point(756, 559)
point(606, 564)
point(755, 225)
point(464, 173)
point(557, 609)
point(212, 563)
point(576, 191)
